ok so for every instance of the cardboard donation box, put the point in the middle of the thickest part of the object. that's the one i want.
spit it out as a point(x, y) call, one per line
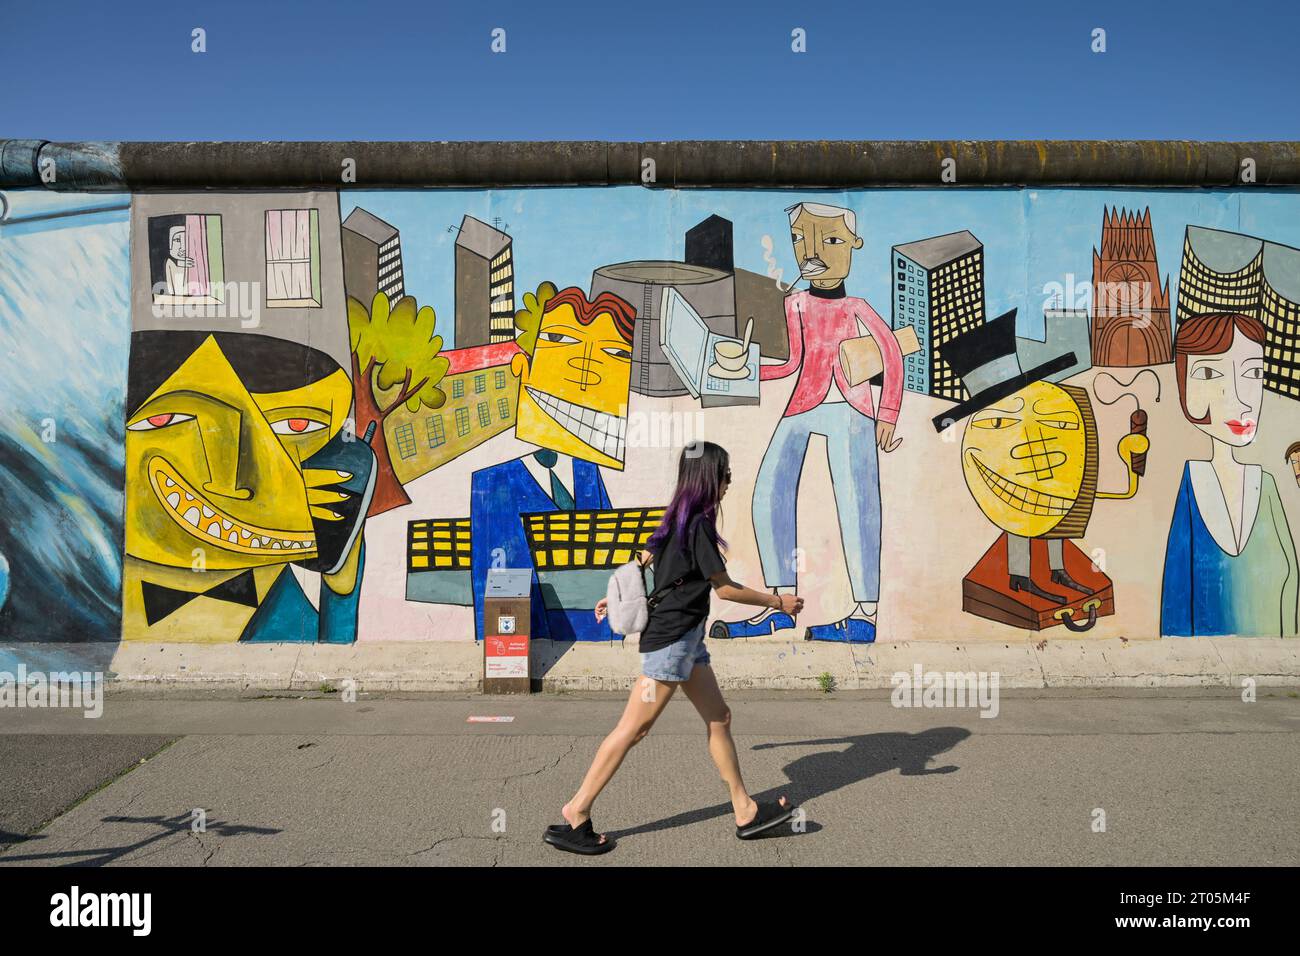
point(506, 628)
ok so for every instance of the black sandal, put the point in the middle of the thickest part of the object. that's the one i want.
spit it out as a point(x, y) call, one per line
point(583, 839)
point(770, 814)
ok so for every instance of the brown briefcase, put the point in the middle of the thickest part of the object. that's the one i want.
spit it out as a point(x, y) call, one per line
point(986, 590)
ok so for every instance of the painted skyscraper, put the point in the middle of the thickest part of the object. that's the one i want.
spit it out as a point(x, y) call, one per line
point(939, 291)
point(372, 257)
point(1229, 272)
point(1130, 308)
point(485, 285)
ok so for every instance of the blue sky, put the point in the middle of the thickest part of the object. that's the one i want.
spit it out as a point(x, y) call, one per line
point(1032, 237)
point(409, 69)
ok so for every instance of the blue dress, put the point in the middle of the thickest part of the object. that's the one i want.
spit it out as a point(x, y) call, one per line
point(1208, 592)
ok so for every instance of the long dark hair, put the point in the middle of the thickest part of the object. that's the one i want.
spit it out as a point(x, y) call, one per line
point(701, 472)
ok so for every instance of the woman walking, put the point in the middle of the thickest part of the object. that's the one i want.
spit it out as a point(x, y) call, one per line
point(688, 563)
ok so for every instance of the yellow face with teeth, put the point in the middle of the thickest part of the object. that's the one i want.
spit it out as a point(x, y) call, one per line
point(212, 466)
point(1024, 458)
point(573, 394)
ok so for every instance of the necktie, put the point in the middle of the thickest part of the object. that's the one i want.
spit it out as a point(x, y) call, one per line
point(559, 494)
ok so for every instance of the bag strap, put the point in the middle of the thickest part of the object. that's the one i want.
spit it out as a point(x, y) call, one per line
point(653, 600)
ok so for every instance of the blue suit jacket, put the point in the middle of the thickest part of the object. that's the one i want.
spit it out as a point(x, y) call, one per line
point(498, 496)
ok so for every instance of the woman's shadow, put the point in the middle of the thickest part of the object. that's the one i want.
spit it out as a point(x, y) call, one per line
point(825, 771)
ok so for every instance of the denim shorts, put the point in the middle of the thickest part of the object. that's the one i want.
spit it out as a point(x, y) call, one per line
point(673, 664)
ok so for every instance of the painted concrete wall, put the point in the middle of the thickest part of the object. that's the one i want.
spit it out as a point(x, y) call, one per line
point(185, 460)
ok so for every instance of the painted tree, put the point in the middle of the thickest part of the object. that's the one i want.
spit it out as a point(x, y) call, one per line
point(396, 360)
point(528, 320)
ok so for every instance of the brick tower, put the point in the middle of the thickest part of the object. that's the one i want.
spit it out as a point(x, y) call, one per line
point(1130, 308)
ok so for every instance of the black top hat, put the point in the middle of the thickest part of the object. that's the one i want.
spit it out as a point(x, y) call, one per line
point(985, 358)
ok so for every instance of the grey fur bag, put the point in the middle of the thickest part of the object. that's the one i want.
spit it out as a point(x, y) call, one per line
point(627, 606)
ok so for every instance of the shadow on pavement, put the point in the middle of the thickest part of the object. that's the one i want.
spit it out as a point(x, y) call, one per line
point(166, 826)
point(825, 771)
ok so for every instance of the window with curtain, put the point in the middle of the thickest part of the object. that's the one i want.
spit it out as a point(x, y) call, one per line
point(292, 258)
point(185, 266)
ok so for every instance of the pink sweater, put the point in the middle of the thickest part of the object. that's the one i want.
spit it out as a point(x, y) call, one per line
point(817, 326)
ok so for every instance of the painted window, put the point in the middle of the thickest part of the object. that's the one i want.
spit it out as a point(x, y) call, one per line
point(433, 426)
point(503, 406)
point(500, 378)
point(292, 258)
point(405, 435)
point(480, 384)
point(462, 422)
point(185, 260)
point(484, 416)
point(458, 388)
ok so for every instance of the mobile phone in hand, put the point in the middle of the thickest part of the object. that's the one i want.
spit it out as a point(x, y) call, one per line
point(335, 538)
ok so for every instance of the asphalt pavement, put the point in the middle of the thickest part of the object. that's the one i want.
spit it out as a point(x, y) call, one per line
point(1186, 777)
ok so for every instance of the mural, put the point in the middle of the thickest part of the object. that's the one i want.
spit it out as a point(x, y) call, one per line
point(395, 363)
point(325, 416)
point(1230, 564)
point(819, 321)
point(1130, 325)
point(64, 340)
point(1030, 459)
point(241, 458)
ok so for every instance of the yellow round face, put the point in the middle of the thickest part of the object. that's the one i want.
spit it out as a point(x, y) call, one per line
point(1024, 458)
point(212, 466)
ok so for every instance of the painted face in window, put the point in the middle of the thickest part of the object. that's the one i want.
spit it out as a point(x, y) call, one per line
point(176, 242)
point(1228, 389)
point(1024, 458)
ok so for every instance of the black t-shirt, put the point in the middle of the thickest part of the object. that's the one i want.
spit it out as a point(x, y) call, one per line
point(686, 605)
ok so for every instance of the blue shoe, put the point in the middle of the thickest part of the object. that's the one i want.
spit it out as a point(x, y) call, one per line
point(773, 622)
point(851, 630)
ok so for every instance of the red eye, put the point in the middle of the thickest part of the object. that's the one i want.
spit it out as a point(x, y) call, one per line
point(296, 426)
point(159, 421)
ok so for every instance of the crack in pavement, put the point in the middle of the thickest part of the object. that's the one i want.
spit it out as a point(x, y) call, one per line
point(77, 842)
point(460, 835)
point(210, 853)
point(325, 764)
point(573, 743)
